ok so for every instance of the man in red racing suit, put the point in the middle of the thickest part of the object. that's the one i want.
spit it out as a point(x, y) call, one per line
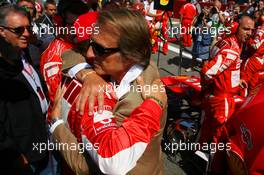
point(253, 70)
point(115, 149)
point(187, 12)
point(51, 64)
point(220, 78)
point(220, 81)
point(161, 22)
point(52, 59)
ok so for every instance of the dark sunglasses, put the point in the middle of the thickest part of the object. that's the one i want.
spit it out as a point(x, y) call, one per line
point(100, 50)
point(18, 30)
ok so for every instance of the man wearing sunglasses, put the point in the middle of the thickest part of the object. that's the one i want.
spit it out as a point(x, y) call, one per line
point(22, 100)
point(121, 52)
point(35, 42)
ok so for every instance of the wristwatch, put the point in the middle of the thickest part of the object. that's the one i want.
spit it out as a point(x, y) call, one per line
point(54, 123)
point(54, 120)
point(158, 101)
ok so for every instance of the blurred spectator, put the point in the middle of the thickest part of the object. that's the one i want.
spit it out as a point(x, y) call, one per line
point(256, 15)
point(154, 25)
point(255, 6)
point(236, 12)
point(217, 18)
point(201, 37)
point(46, 25)
point(39, 10)
point(260, 5)
point(28, 5)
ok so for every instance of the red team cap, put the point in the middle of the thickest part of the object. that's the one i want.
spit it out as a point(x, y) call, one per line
point(84, 25)
point(38, 7)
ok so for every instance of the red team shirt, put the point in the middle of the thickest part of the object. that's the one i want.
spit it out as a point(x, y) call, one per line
point(253, 69)
point(115, 148)
point(51, 64)
point(222, 72)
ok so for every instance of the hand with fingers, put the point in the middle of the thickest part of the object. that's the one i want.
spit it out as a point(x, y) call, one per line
point(56, 110)
point(156, 91)
point(243, 84)
point(92, 89)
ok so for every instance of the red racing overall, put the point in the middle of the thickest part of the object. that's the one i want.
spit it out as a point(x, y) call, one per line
point(253, 69)
point(220, 81)
point(114, 148)
point(187, 12)
point(51, 64)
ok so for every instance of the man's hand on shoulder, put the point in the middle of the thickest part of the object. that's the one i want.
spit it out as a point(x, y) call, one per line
point(156, 92)
point(92, 88)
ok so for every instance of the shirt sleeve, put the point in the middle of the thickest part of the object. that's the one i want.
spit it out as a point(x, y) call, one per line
point(251, 66)
point(219, 63)
point(74, 70)
point(258, 39)
point(6, 141)
point(117, 149)
point(151, 9)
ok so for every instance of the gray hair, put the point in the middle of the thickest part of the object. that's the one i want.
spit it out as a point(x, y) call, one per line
point(7, 9)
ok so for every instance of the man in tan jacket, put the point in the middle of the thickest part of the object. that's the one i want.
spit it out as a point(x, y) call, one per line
point(151, 160)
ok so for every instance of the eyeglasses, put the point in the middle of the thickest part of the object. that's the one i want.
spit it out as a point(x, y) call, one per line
point(100, 50)
point(28, 9)
point(18, 30)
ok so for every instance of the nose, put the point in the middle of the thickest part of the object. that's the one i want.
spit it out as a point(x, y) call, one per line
point(90, 52)
point(90, 56)
point(26, 33)
point(249, 33)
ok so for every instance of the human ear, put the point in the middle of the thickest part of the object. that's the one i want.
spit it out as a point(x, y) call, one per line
point(2, 33)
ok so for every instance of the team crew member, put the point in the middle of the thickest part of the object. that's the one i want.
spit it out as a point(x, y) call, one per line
point(221, 79)
point(161, 22)
point(51, 59)
point(252, 71)
point(187, 13)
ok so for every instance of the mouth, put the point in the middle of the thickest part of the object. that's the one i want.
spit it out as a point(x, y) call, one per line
point(24, 40)
point(96, 64)
point(247, 38)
